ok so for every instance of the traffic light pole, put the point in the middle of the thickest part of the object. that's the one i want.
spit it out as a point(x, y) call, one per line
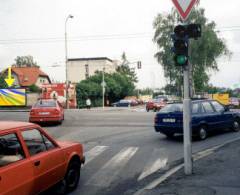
point(181, 46)
point(187, 131)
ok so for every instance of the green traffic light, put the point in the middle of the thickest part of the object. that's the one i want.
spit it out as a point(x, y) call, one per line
point(181, 59)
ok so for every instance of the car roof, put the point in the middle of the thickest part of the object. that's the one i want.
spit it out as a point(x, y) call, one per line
point(7, 125)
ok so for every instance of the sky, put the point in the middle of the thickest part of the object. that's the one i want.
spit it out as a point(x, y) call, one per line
point(105, 29)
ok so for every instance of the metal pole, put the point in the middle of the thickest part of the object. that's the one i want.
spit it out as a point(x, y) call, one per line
point(187, 128)
point(66, 61)
point(103, 87)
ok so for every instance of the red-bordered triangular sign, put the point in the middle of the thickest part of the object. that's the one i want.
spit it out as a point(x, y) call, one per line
point(184, 7)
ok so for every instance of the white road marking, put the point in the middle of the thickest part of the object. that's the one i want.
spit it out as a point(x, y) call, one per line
point(196, 156)
point(156, 182)
point(94, 152)
point(153, 167)
point(111, 169)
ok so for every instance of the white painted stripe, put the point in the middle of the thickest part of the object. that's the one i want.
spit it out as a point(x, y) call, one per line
point(150, 168)
point(111, 169)
point(156, 182)
point(94, 152)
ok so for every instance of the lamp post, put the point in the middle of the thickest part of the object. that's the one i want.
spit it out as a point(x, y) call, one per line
point(103, 87)
point(66, 59)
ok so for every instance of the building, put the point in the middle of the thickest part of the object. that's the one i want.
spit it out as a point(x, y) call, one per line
point(79, 69)
point(27, 76)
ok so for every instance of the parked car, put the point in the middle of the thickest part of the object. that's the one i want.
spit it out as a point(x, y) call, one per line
point(234, 102)
point(156, 104)
point(47, 110)
point(122, 103)
point(31, 161)
point(207, 116)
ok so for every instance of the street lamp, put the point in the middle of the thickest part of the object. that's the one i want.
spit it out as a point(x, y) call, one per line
point(66, 60)
point(103, 87)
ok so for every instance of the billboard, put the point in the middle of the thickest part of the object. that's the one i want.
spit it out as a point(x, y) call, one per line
point(12, 97)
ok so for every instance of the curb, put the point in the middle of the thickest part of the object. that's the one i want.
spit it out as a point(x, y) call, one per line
point(195, 157)
point(14, 110)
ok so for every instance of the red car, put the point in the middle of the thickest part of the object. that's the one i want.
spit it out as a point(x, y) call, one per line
point(47, 110)
point(156, 104)
point(31, 161)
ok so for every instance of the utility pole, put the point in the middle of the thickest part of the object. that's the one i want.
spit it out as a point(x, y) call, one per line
point(181, 38)
point(103, 87)
point(66, 62)
point(187, 127)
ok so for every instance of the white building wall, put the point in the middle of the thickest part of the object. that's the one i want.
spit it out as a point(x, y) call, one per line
point(41, 80)
point(77, 69)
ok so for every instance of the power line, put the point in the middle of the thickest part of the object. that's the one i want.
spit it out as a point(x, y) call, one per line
point(95, 37)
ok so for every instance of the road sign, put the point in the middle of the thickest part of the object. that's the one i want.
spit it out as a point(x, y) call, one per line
point(184, 7)
point(9, 80)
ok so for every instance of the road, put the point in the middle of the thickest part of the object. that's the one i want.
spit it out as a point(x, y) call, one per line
point(123, 152)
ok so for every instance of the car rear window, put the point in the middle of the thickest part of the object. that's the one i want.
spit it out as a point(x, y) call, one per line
point(45, 103)
point(172, 108)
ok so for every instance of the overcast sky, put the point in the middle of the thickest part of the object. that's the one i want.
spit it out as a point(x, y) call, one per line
point(105, 29)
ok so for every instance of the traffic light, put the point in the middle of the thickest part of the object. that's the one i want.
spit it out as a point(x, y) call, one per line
point(180, 46)
point(194, 31)
point(181, 36)
point(139, 64)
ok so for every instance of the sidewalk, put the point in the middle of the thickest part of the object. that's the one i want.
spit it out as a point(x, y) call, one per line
point(217, 174)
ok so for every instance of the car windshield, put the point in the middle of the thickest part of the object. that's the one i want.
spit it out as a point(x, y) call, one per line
point(45, 103)
point(172, 108)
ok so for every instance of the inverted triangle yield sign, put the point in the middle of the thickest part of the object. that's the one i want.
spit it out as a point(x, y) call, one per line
point(184, 7)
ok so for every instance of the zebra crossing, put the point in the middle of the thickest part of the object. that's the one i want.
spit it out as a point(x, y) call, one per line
point(117, 161)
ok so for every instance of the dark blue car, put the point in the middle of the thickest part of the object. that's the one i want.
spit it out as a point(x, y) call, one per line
point(207, 116)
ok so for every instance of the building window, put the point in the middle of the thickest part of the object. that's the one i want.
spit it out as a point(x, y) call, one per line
point(86, 71)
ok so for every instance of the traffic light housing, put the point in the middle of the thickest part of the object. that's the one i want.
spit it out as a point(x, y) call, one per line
point(180, 46)
point(181, 36)
point(194, 31)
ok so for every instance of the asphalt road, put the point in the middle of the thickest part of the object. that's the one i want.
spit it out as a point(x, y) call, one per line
point(123, 152)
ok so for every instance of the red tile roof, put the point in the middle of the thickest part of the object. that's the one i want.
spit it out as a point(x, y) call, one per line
point(28, 75)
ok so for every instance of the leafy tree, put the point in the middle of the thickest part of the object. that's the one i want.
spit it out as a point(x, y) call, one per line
point(126, 70)
point(117, 87)
point(203, 53)
point(147, 91)
point(22, 61)
point(34, 88)
point(3, 84)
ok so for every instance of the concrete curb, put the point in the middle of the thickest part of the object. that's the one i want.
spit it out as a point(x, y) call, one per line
point(196, 156)
point(14, 110)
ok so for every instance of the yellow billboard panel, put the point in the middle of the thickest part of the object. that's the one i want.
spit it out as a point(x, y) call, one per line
point(12, 97)
point(222, 98)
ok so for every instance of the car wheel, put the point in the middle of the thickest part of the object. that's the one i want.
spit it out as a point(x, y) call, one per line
point(155, 110)
point(73, 175)
point(147, 109)
point(202, 133)
point(60, 188)
point(236, 126)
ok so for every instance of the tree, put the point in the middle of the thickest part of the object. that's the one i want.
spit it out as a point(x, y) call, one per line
point(118, 86)
point(23, 61)
point(203, 53)
point(126, 70)
point(34, 88)
point(3, 84)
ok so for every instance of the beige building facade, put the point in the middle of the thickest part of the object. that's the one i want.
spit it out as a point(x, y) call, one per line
point(79, 69)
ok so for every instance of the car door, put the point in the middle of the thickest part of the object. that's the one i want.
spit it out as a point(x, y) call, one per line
point(16, 172)
point(46, 159)
point(225, 117)
point(210, 116)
